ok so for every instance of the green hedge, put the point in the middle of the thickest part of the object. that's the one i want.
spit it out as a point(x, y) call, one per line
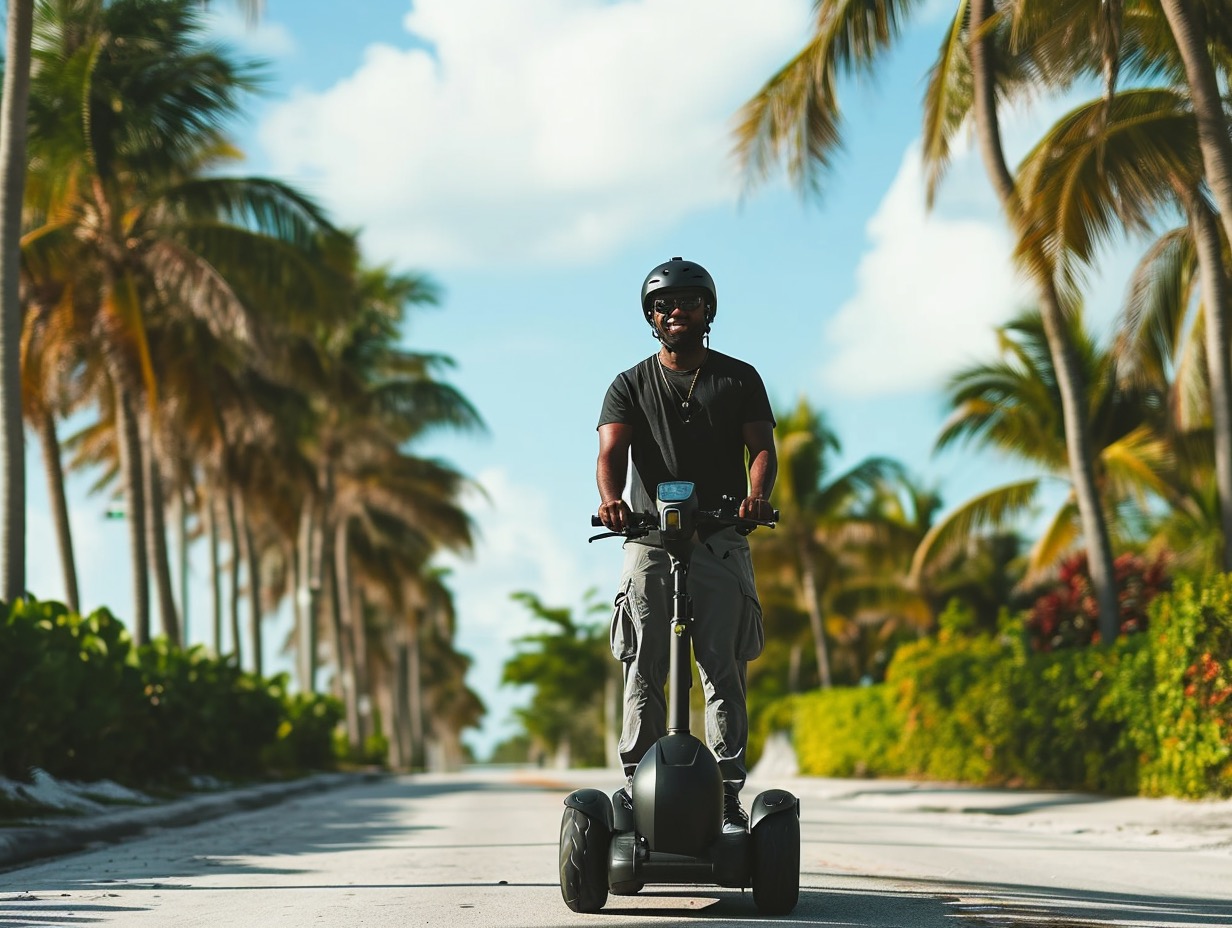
point(847, 732)
point(78, 700)
point(1151, 714)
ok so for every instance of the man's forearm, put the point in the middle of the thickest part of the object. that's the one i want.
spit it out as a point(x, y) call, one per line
point(763, 469)
point(610, 476)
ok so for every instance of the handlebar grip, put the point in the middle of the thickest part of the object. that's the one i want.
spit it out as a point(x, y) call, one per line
point(595, 521)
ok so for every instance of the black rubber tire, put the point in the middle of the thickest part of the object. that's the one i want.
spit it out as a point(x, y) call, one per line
point(583, 861)
point(776, 863)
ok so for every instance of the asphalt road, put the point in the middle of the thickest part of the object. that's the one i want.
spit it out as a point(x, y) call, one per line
point(479, 849)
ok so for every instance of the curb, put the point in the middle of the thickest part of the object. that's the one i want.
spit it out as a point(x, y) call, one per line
point(49, 839)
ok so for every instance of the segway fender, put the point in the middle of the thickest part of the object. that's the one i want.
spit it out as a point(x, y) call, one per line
point(772, 802)
point(592, 803)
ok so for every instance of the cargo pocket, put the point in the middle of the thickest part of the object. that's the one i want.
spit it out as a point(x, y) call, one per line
point(623, 634)
point(751, 637)
point(732, 549)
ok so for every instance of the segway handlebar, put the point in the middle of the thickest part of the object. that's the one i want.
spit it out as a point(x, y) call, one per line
point(643, 523)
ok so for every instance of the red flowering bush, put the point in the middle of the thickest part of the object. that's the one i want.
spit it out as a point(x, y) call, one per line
point(1067, 615)
point(1207, 682)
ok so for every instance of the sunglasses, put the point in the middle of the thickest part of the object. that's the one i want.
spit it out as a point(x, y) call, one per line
point(690, 304)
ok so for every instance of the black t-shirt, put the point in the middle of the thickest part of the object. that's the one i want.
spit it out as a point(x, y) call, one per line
point(708, 449)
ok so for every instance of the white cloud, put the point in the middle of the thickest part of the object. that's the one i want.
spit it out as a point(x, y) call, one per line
point(261, 38)
point(929, 291)
point(544, 130)
point(520, 547)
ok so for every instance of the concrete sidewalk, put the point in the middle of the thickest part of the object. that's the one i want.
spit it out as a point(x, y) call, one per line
point(1204, 825)
point(63, 834)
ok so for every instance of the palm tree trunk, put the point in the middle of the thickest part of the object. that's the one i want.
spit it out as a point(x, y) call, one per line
point(415, 699)
point(252, 559)
point(1216, 148)
point(1213, 139)
point(291, 554)
point(13, 130)
point(156, 530)
point(181, 548)
point(309, 594)
point(343, 658)
point(812, 602)
point(211, 518)
point(350, 622)
point(59, 507)
point(1065, 363)
point(233, 541)
point(793, 668)
point(402, 704)
point(1205, 230)
point(130, 466)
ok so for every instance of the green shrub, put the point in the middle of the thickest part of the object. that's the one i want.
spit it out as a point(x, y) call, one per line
point(77, 700)
point(1075, 718)
point(1150, 714)
point(205, 714)
point(847, 732)
point(69, 696)
point(955, 701)
point(305, 737)
point(1189, 740)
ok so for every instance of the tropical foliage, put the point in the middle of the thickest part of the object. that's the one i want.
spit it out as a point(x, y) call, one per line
point(79, 700)
point(235, 371)
point(574, 685)
point(1148, 715)
point(233, 368)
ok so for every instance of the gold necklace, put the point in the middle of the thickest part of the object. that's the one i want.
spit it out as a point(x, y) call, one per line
point(684, 401)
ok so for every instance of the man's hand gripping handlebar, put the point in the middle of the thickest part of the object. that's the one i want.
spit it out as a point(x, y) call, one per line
point(640, 524)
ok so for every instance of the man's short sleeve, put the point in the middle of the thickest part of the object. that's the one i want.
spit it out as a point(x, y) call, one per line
point(617, 404)
point(757, 406)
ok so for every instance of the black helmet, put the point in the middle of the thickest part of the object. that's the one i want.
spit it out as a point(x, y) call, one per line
point(674, 275)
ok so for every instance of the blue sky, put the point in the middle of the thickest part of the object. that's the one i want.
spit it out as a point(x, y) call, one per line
point(536, 159)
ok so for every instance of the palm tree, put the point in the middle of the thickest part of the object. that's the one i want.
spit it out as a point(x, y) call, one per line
point(568, 668)
point(122, 197)
point(795, 117)
point(13, 105)
point(1133, 159)
point(1195, 29)
point(14, 133)
point(372, 398)
point(53, 382)
point(1012, 405)
point(819, 519)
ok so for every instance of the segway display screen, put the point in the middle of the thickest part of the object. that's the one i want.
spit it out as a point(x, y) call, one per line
point(675, 491)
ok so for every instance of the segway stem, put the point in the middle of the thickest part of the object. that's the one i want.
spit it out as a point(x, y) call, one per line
point(680, 680)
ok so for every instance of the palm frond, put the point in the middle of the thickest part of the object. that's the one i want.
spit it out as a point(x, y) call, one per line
point(991, 510)
point(947, 101)
point(1102, 169)
point(1135, 465)
point(795, 118)
point(1057, 540)
point(1151, 326)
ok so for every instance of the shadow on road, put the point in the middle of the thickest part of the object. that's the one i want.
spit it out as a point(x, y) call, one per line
point(376, 815)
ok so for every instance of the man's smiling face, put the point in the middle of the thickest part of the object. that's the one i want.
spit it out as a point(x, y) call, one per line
point(679, 316)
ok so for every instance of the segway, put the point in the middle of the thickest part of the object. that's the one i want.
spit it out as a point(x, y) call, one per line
point(671, 829)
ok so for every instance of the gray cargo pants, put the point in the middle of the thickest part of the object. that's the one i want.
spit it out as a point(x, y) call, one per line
point(727, 633)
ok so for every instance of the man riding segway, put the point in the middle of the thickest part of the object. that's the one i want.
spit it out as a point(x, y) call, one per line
point(686, 416)
point(687, 413)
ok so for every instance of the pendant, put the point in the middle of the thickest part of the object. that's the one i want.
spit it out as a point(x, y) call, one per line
point(684, 405)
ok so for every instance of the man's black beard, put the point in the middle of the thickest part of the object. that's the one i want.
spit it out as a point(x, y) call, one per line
point(683, 342)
